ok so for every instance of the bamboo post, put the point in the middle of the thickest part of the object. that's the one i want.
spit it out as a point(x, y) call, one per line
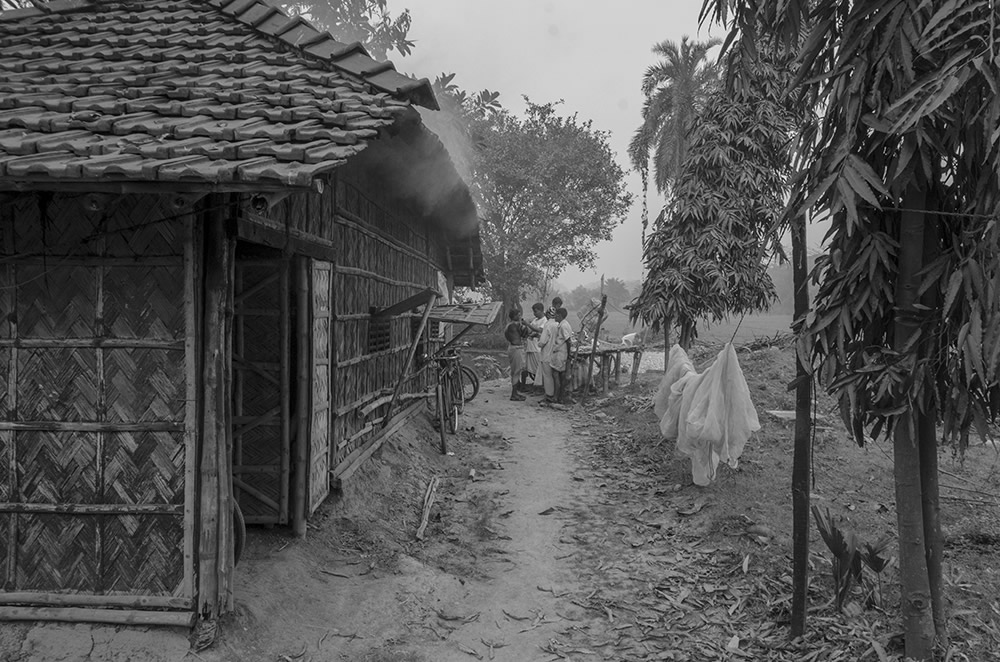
point(636, 360)
point(303, 404)
point(606, 362)
point(593, 349)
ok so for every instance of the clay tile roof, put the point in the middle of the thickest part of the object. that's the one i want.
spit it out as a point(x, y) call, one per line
point(228, 93)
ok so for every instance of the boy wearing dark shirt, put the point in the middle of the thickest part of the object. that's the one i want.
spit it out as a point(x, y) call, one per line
point(516, 332)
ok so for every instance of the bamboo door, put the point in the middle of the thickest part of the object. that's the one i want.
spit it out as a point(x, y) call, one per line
point(261, 391)
point(319, 434)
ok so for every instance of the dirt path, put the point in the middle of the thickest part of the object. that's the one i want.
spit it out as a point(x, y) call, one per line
point(518, 602)
point(527, 557)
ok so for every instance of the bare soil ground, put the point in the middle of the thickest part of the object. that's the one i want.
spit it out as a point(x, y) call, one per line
point(576, 534)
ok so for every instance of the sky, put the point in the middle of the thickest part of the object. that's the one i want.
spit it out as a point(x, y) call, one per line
point(590, 54)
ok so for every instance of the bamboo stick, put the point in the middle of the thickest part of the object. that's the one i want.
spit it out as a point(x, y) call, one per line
point(255, 493)
point(93, 508)
point(91, 426)
point(431, 297)
point(83, 615)
point(86, 600)
point(192, 409)
point(123, 343)
point(12, 459)
point(428, 502)
point(593, 349)
point(357, 457)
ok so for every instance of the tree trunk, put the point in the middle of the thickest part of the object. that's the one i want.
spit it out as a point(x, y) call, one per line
point(802, 459)
point(927, 431)
point(915, 595)
point(933, 542)
point(666, 342)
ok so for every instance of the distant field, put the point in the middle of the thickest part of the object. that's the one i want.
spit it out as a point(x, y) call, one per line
point(753, 326)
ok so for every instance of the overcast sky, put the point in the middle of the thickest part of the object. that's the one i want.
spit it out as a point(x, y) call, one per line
point(590, 54)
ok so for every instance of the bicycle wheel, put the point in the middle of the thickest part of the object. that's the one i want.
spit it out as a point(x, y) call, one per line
point(470, 383)
point(457, 388)
point(450, 407)
point(439, 395)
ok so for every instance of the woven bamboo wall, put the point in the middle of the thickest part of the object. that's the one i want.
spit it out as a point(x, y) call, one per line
point(379, 254)
point(385, 256)
point(96, 438)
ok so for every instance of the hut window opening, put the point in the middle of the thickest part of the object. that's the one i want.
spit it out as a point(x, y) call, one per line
point(378, 334)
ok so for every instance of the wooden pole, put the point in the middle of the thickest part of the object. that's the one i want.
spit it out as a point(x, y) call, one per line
point(303, 403)
point(802, 456)
point(593, 349)
point(215, 551)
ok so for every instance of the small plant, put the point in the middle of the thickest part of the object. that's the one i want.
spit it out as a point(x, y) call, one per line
point(875, 557)
point(846, 557)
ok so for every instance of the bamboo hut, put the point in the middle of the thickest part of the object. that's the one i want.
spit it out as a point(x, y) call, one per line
point(217, 227)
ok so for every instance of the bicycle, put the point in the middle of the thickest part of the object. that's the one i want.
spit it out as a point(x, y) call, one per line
point(469, 379)
point(448, 395)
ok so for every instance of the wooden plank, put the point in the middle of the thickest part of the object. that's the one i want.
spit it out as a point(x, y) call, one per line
point(93, 508)
point(86, 600)
point(85, 615)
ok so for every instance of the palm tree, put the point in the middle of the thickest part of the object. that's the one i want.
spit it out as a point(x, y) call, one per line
point(675, 89)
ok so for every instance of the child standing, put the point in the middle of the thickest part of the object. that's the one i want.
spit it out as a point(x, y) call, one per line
point(532, 350)
point(515, 332)
point(546, 342)
point(561, 346)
